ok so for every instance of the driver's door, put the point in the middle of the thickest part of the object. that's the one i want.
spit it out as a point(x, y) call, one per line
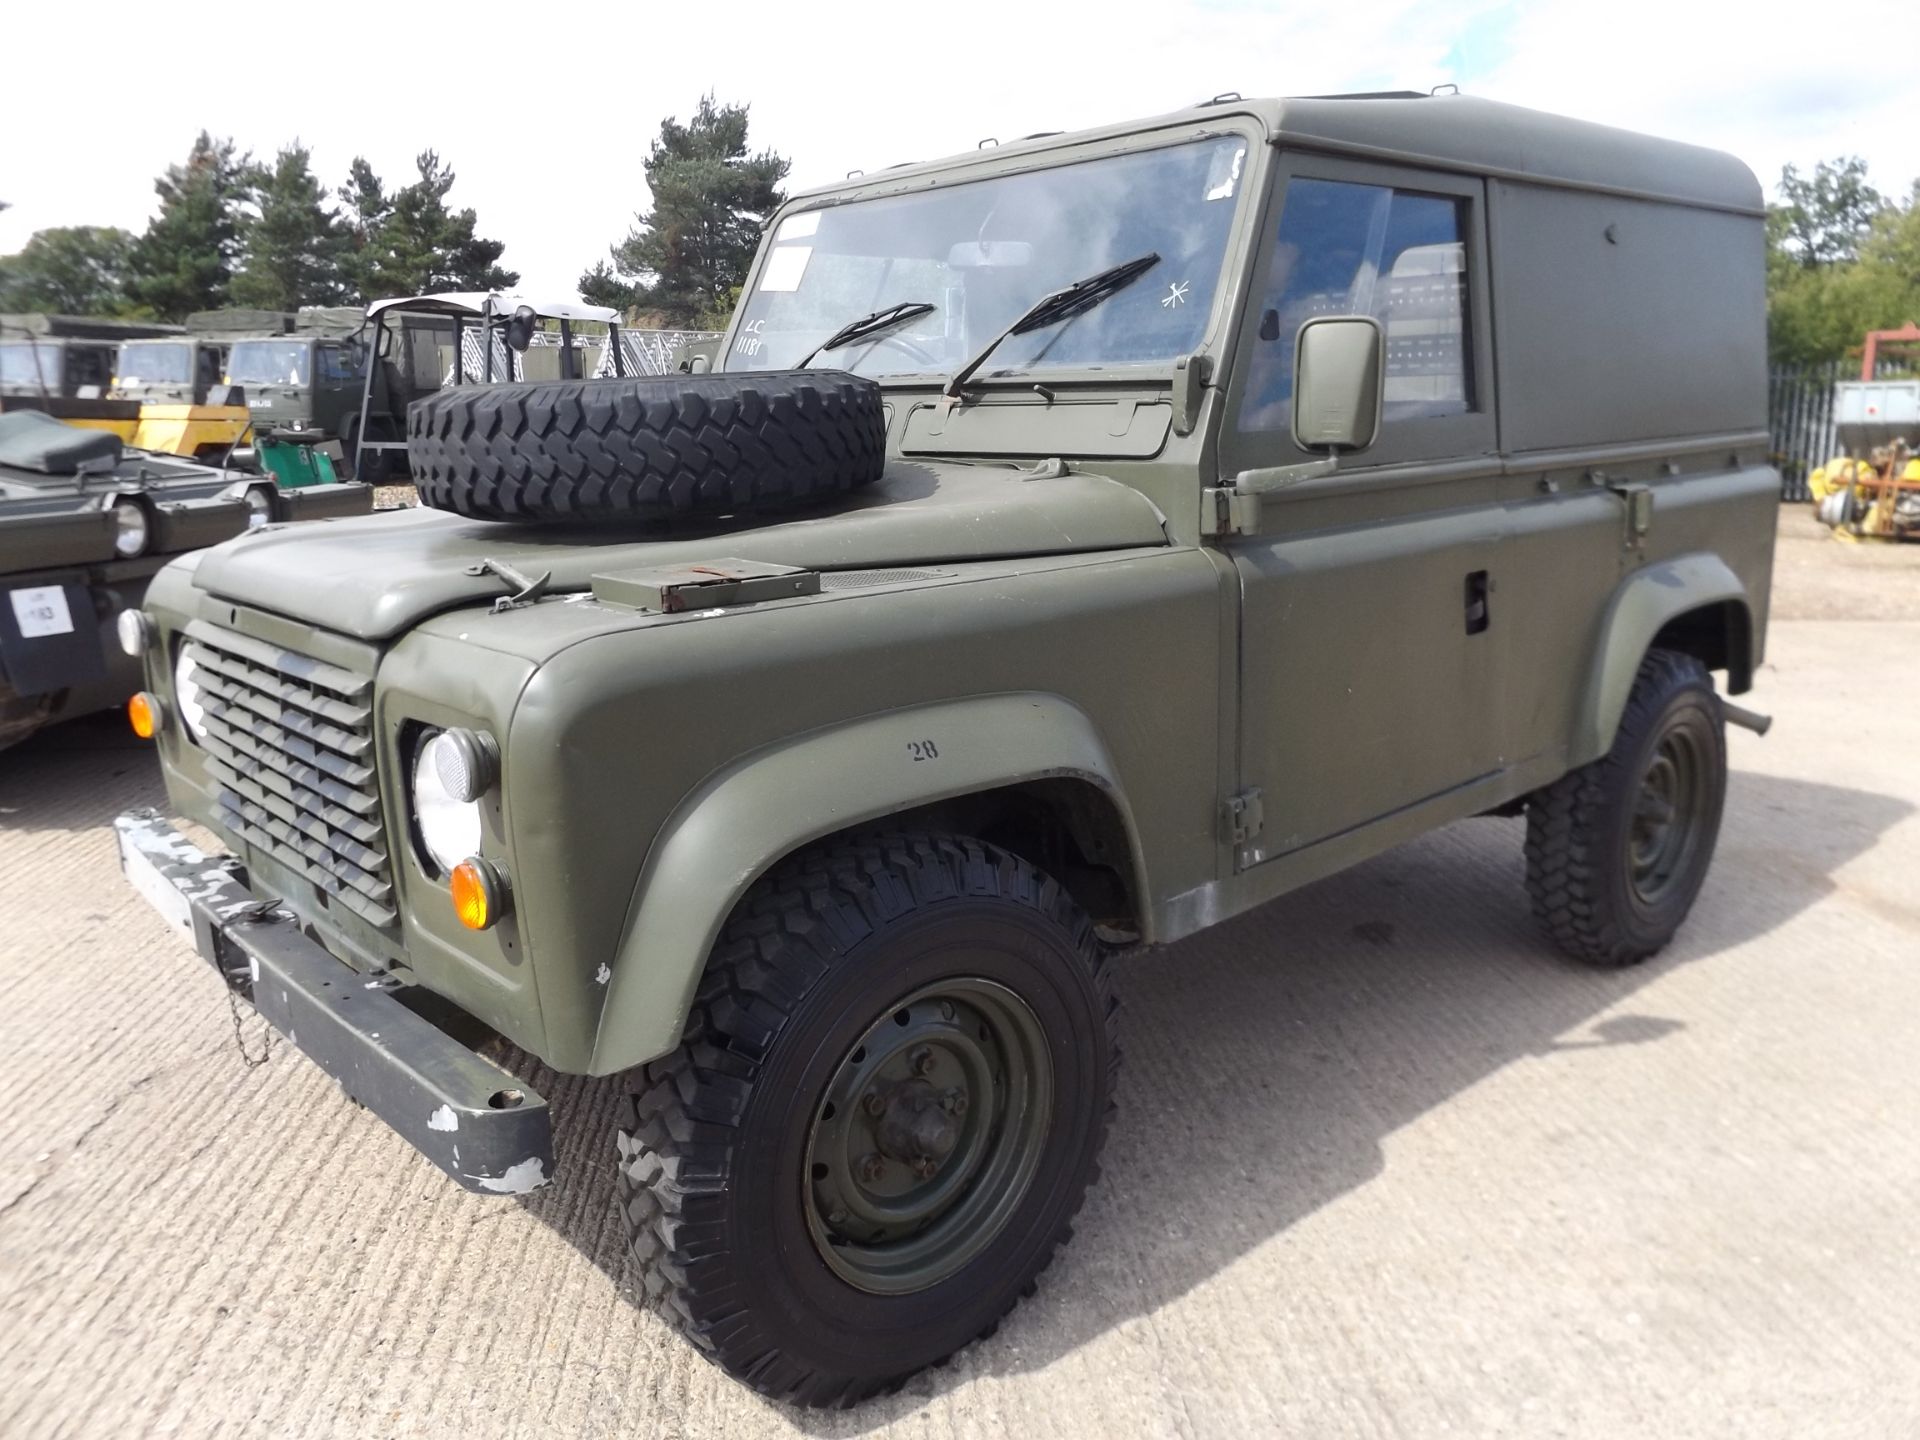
point(1371, 662)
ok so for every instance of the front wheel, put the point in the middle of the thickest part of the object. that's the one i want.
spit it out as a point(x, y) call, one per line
point(888, 1106)
point(1618, 849)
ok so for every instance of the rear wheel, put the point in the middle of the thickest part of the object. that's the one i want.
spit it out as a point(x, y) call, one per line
point(887, 1109)
point(1618, 849)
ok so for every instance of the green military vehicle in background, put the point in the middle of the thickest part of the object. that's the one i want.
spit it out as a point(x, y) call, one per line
point(303, 384)
point(1192, 509)
point(84, 524)
point(64, 357)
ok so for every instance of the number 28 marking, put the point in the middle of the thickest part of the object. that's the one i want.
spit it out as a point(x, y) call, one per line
point(923, 750)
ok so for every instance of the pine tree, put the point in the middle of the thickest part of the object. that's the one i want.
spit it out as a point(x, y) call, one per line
point(686, 258)
point(293, 248)
point(410, 243)
point(184, 261)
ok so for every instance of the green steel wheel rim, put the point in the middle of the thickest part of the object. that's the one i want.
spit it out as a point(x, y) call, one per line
point(1666, 830)
point(928, 1135)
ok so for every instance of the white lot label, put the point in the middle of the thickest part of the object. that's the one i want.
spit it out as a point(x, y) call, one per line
point(785, 266)
point(42, 610)
point(146, 878)
point(799, 227)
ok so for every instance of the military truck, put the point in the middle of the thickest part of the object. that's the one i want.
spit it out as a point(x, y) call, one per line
point(64, 357)
point(84, 524)
point(1076, 544)
point(305, 382)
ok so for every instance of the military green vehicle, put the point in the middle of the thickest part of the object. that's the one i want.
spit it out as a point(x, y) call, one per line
point(84, 524)
point(305, 384)
point(1179, 512)
point(64, 357)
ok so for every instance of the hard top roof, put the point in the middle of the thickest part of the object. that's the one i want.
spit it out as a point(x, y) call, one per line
point(1453, 132)
point(474, 302)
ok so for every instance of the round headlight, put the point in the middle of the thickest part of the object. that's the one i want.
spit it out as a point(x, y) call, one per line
point(129, 528)
point(449, 825)
point(259, 507)
point(188, 698)
point(466, 761)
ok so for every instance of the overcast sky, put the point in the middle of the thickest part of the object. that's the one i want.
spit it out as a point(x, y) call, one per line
point(545, 110)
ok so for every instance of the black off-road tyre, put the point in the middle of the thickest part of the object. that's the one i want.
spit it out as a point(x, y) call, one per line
point(1607, 883)
point(716, 1180)
point(647, 448)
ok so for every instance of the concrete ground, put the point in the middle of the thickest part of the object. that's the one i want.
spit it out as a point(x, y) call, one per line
point(1384, 1165)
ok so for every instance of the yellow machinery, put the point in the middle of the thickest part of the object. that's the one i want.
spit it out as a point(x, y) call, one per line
point(1872, 492)
point(171, 429)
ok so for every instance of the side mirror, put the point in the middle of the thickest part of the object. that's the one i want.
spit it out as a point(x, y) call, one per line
point(1339, 374)
point(520, 327)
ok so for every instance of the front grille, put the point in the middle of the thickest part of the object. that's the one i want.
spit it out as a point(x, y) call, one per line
point(290, 745)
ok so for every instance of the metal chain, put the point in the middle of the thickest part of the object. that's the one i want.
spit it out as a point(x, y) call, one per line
point(240, 1039)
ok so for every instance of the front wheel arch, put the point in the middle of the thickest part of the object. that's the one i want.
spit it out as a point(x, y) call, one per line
point(751, 815)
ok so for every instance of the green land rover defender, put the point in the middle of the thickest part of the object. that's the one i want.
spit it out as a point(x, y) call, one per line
point(1072, 545)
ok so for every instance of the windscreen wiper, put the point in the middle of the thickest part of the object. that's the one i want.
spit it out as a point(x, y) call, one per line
point(868, 326)
point(1076, 299)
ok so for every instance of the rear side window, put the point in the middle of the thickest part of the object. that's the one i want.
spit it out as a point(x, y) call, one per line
point(1348, 249)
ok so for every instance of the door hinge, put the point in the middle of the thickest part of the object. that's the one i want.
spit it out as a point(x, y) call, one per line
point(1244, 816)
point(1227, 511)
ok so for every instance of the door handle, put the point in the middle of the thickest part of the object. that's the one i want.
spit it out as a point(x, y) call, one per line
point(1479, 608)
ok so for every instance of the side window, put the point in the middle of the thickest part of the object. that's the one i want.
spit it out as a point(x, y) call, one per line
point(1347, 249)
point(89, 366)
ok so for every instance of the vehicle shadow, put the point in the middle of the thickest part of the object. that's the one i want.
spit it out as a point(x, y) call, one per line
point(1269, 1059)
point(78, 775)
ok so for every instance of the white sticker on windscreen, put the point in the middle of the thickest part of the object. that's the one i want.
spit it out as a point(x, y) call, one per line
point(798, 227)
point(785, 266)
point(1223, 175)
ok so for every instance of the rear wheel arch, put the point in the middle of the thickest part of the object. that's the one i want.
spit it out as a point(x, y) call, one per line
point(1719, 635)
point(1693, 605)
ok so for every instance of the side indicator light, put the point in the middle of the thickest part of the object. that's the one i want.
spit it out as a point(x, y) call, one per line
point(143, 713)
point(479, 894)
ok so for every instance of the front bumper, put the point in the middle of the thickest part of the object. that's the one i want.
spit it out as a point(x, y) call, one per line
point(487, 1130)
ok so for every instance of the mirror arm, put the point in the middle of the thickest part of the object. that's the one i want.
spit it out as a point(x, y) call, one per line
point(1282, 477)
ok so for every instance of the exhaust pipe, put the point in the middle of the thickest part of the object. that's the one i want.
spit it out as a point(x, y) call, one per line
point(1746, 719)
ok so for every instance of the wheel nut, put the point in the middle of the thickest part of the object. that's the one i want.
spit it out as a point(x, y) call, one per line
point(956, 1102)
point(874, 1103)
point(870, 1168)
point(947, 1012)
point(923, 1061)
point(836, 1216)
point(925, 1166)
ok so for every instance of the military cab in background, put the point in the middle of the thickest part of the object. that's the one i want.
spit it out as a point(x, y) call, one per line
point(64, 357)
point(1074, 544)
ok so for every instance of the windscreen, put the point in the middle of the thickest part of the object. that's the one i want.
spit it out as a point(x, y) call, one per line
point(154, 362)
point(270, 362)
point(25, 363)
point(984, 251)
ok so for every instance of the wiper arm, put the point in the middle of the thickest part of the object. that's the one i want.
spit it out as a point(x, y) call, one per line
point(868, 326)
point(1076, 299)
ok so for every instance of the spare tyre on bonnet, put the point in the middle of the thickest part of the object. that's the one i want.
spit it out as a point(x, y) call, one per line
point(648, 447)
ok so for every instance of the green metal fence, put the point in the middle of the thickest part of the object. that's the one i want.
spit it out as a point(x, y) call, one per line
point(1800, 416)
